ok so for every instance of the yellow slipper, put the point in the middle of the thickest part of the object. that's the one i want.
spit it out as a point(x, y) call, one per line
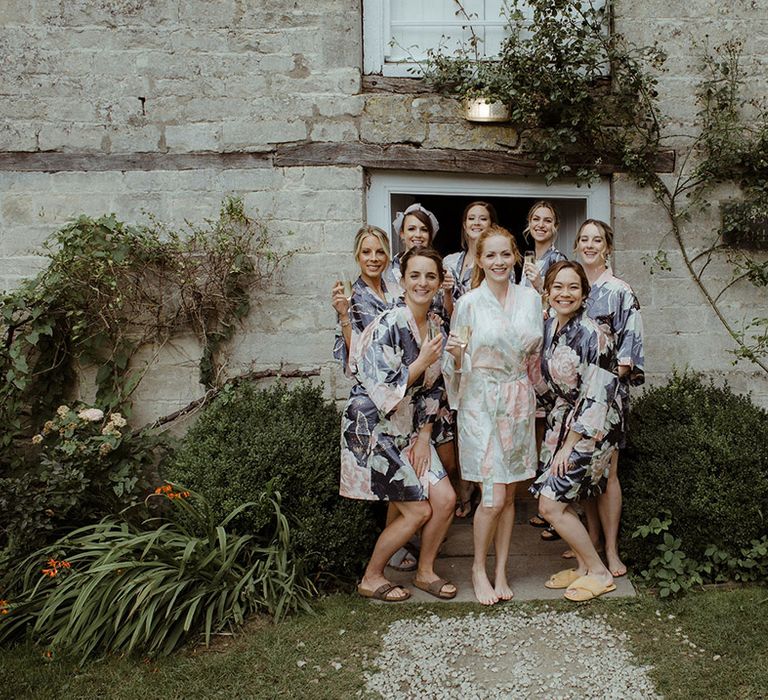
point(586, 588)
point(562, 579)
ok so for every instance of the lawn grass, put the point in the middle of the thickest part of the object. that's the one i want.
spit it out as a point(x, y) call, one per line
point(299, 657)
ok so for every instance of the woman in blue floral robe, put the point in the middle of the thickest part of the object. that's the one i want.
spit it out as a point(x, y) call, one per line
point(387, 453)
point(370, 293)
point(583, 423)
point(613, 304)
point(417, 226)
point(542, 224)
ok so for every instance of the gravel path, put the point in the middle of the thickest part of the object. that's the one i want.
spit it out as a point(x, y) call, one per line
point(553, 655)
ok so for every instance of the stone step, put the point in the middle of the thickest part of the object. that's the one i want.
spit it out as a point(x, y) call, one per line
point(531, 562)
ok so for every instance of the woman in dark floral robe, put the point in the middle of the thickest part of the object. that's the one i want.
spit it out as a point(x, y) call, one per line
point(581, 385)
point(387, 451)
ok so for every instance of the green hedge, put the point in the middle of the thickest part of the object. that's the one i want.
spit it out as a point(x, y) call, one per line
point(698, 452)
point(287, 440)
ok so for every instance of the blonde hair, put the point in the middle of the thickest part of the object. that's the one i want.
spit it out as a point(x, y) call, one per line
point(604, 228)
point(379, 234)
point(478, 274)
point(538, 205)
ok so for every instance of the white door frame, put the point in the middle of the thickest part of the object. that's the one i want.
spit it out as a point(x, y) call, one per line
point(384, 183)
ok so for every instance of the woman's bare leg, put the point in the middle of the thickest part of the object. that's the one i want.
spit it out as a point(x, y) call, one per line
point(483, 530)
point(502, 542)
point(609, 506)
point(571, 529)
point(442, 499)
point(413, 515)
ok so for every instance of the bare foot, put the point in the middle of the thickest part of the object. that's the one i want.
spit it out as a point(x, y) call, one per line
point(502, 589)
point(483, 589)
point(615, 565)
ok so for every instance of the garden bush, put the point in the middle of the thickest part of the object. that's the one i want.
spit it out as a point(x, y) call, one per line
point(82, 466)
point(249, 440)
point(116, 586)
point(696, 458)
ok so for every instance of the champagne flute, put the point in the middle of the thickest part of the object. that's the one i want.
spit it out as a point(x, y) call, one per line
point(529, 257)
point(463, 333)
point(433, 330)
point(346, 283)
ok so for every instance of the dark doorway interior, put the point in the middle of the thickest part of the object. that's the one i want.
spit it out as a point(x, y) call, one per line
point(511, 210)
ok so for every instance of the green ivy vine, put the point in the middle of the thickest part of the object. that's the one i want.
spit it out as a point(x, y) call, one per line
point(585, 100)
point(110, 290)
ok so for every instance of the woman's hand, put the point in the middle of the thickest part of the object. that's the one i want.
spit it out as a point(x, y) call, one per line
point(561, 463)
point(456, 348)
point(340, 302)
point(421, 454)
point(431, 350)
point(448, 282)
point(531, 273)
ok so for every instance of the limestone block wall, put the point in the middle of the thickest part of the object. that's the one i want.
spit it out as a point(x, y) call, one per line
point(166, 106)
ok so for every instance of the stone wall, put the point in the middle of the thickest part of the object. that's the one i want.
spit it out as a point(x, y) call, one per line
point(137, 85)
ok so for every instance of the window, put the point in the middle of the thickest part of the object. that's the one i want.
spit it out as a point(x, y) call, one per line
point(446, 195)
point(397, 31)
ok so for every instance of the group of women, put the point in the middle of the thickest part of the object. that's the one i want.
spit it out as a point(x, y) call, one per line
point(453, 357)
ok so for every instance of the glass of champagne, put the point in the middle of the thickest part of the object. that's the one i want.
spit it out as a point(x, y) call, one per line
point(463, 333)
point(347, 284)
point(433, 330)
point(529, 257)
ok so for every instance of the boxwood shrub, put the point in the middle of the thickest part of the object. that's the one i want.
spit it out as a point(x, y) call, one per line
point(699, 452)
point(287, 439)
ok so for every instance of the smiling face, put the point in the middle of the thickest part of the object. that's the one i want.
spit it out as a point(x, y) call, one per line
point(566, 293)
point(478, 219)
point(372, 257)
point(542, 225)
point(591, 246)
point(421, 280)
point(497, 258)
point(415, 232)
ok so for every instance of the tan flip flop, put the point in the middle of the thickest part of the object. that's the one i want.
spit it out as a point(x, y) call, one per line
point(436, 588)
point(586, 588)
point(382, 593)
point(562, 579)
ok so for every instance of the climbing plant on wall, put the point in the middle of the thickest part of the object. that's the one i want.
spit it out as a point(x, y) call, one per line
point(111, 290)
point(584, 97)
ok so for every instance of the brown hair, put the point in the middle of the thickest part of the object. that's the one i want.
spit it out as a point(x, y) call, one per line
point(421, 216)
point(604, 228)
point(363, 232)
point(422, 252)
point(547, 205)
point(478, 274)
point(549, 278)
point(492, 215)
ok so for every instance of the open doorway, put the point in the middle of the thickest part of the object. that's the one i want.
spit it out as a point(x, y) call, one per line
point(446, 195)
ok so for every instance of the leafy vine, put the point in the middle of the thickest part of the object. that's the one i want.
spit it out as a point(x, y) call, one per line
point(585, 98)
point(111, 289)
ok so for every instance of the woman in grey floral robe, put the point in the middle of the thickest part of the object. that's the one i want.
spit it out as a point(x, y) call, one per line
point(581, 385)
point(613, 304)
point(387, 451)
point(542, 224)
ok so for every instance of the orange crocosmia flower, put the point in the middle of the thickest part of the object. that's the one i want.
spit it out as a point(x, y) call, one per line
point(50, 572)
point(65, 565)
point(53, 563)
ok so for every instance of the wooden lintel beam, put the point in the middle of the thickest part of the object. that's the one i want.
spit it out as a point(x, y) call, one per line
point(410, 157)
point(398, 156)
point(54, 162)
